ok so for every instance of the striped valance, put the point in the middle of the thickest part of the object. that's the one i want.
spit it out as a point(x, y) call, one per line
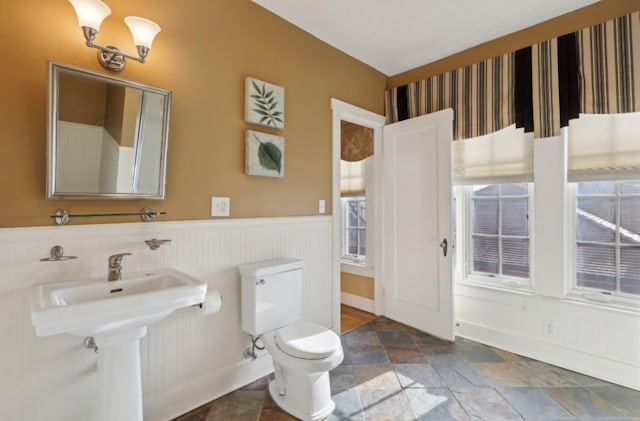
point(592, 71)
point(546, 105)
point(555, 80)
point(480, 96)
point(609, 59)
point(539, 88)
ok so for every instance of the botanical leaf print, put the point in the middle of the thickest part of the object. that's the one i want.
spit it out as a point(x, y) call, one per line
point(266, 106)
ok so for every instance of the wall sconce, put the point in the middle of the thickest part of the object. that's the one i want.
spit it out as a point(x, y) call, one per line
point(91, 13)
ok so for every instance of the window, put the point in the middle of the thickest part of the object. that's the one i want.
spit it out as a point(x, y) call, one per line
point(608, 237)
point(355, 228)
point(499, 237)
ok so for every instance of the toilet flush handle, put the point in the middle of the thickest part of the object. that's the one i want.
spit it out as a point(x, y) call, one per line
point(261, 282)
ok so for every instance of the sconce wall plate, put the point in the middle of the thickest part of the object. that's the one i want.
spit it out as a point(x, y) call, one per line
point(112, 58)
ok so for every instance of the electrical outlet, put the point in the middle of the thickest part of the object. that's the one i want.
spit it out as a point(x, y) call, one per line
point(322, 206)
point(220, 206)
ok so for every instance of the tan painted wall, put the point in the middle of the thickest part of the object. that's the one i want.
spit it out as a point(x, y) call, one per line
point(361, 286)
point(203, 54)
point(114, 112)
point(81, 100)
point(570, 22)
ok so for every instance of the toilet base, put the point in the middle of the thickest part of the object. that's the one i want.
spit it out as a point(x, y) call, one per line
point(323, 405)
point(301, 387)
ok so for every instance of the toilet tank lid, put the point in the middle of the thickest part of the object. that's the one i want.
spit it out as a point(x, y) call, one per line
point(269, 267)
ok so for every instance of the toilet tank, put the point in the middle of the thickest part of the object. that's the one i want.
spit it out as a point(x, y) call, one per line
point(271, 294)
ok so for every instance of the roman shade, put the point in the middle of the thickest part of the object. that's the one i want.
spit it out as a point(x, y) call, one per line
point(352, 178)
point(505, 156)
point(604, 147)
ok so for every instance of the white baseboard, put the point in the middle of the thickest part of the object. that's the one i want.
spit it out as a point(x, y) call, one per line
point(188, 397)
point(592, 365)
point(358, 302)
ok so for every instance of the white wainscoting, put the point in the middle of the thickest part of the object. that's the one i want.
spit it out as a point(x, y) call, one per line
point(80, 149)
point(587, 338)
point(187, 358)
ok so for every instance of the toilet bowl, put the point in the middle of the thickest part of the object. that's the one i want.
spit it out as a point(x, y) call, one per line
point(303, 354)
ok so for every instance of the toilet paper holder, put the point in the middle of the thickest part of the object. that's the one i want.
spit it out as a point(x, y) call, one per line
point(212, 303)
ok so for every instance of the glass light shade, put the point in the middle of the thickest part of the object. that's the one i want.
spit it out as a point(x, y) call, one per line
point(143, 30)
point(90, 13)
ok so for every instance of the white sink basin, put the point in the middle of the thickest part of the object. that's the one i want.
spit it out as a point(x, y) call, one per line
point(101, 308)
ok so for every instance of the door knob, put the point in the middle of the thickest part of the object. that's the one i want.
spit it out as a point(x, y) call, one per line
point(444, 244)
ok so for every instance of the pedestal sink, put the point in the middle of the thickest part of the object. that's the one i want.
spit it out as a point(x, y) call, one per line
point(116, 314)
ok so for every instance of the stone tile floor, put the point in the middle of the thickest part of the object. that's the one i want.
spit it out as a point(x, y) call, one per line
point(392, 372)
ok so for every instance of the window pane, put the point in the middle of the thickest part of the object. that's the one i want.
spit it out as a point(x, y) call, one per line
point(515, 258)
point(596, 187)
point(485, 254)
point(520, 189)
point(596, 267)
point(362, 249)
point(515, 214)
point(630, 270)
point(596, 219)
point(630, 187)
point(352, 241)
point(352, 213)
point(355, 225)
point(361, 213)
point(485, 216)
point(630, 220)
point(492, 190)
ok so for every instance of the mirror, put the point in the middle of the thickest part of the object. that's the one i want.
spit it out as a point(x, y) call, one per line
point(107, 137)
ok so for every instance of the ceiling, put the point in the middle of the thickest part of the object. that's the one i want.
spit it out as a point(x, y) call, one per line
point(394, 36)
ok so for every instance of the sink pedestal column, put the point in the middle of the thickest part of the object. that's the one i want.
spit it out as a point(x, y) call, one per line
point(119, 387)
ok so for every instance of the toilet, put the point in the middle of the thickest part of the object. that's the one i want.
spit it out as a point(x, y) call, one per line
point(302, 352)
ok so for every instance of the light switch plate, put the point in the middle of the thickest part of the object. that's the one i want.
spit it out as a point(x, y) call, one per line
point(322, 206)
point(220, 206)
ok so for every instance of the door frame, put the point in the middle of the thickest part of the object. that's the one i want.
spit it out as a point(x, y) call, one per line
point(342, 111)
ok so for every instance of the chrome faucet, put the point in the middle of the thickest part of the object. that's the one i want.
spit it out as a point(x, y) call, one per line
point(115, 266)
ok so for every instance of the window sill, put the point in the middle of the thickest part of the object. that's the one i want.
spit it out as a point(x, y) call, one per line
point(616, 305)
point(360, 269)
point(501, 284)
point(605, 302)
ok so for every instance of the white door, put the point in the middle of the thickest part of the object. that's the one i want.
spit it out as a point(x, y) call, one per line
point(417, 251)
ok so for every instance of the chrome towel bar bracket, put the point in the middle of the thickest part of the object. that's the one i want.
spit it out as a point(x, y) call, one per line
point(62, 216)
point(57, 255)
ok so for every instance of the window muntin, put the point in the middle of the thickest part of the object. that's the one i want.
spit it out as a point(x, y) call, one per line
point(608, 237)
point(355, 228)
point(499, 243)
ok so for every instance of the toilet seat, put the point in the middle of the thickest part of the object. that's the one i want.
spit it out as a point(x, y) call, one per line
point(307, 340)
